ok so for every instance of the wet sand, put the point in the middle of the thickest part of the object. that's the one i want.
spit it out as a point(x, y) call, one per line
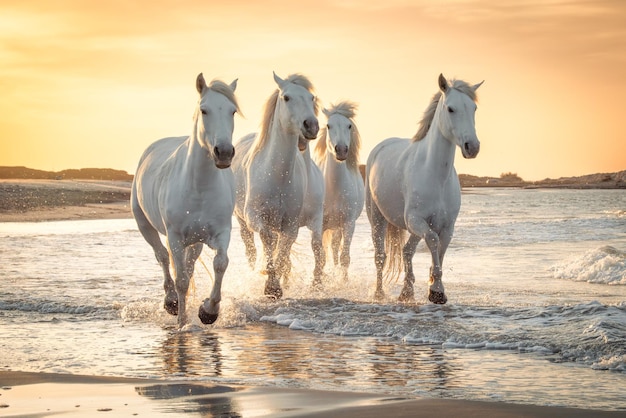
point(57, 200)
point(44, 394)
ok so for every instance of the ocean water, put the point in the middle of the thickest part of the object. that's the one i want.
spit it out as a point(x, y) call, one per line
point(536, 313)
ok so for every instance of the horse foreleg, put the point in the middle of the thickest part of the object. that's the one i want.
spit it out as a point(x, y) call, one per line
point(408, 294)
point(419, 226)
point(272, 284)
point(318, 254)
point(335, 245)
point(181, 271)
point(436, 292)
point(347, 232)
point(282, 261)
point(210, 308)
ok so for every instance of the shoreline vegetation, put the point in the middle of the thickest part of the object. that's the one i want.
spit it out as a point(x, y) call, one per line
point(29, 195)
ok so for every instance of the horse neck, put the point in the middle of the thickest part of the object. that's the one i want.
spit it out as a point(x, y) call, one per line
point(435, 152)
point(281, 151)
point(334, 168)
point(306, 154)
point(197, 162)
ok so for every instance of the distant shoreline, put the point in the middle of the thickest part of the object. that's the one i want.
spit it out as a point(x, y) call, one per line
point(105, 194)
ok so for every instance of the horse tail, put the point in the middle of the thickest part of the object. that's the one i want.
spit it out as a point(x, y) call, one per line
point(394, 241)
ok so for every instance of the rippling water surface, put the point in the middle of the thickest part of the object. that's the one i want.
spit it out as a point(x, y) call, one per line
point(536, 283)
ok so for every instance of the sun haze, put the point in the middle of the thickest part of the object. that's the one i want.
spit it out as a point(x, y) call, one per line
point(91, 84)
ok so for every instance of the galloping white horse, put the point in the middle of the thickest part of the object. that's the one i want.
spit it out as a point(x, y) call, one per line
point(184, 190)
point(337, 153)
point(271, 176)
point(412, 185)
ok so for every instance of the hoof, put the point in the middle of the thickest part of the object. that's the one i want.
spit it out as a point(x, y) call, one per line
point(274, 293)
point(407, 296)
point(206, 317)
point(171, 307)
point(379, 296)
point(317, 285)
point(437, 297)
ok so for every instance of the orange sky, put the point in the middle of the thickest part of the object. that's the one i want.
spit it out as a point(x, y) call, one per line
point(91, 84)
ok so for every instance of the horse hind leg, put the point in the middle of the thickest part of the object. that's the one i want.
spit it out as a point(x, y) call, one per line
point(408, 294)
point(379, 228)
point(153, 238)
point(247, 236)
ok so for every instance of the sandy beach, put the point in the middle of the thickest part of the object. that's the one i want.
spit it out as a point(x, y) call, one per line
point(56, 200)
point(45, 394)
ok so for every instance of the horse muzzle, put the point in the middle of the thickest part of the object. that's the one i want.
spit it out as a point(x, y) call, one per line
point(223, 155)
point(310, 128)
point(341, 152)
point(470, 149)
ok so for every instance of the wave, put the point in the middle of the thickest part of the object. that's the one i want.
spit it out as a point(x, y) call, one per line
point(589, 333)
point(604, 265)
point(58, 308)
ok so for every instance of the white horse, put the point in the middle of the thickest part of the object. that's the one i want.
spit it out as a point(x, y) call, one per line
point(184, 190)
point(412, 185)
point(271, 176)
point(337, 153)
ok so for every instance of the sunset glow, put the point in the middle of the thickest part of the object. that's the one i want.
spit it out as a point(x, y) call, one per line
point(92, 84)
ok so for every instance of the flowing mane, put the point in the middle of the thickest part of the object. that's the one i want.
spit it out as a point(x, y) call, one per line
point(348, 110)
point(268, 113)
point(429, 113)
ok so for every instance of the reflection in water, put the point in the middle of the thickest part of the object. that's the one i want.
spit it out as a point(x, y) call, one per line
point(275, 355)
point(205, 400)
point(192, 354)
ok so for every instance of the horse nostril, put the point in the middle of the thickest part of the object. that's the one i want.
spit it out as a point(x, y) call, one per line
point(216, 151)
point(467, 146)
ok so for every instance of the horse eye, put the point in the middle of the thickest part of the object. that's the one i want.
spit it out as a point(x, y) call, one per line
point(286, 98)
point(350, 126)
point(451, 110)
point(203, 111)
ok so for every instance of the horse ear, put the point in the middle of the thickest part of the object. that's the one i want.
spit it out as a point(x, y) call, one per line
point(200, 83)
point(475, 86)
point(443, 83)
point(326, 112)
point(233, 85)
point(278, 80)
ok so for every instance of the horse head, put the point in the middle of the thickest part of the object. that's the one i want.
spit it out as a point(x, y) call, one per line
point(297, 106)
point(340, 130)
point(214, 119)
point(456, 115)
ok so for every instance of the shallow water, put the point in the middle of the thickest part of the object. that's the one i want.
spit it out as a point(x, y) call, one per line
point(536, 283)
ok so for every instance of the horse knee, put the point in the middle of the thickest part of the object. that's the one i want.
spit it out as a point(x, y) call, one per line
point(220, 263)
point(379, 259)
